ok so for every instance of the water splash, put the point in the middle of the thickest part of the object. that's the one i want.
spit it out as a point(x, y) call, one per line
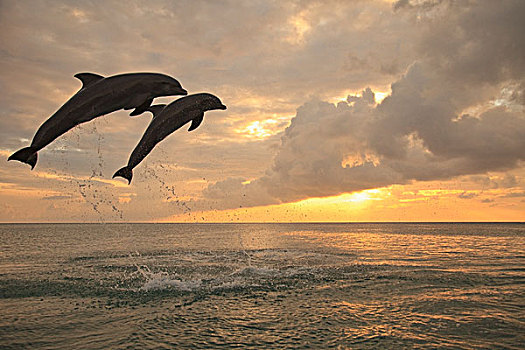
point(99, 196)
point(162, 187)
point(243, 249)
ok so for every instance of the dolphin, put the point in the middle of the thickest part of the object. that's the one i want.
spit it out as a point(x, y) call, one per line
point(99, 96)
point(167, 119)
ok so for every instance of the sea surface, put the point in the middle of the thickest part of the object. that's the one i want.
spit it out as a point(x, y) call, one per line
point(262, 286)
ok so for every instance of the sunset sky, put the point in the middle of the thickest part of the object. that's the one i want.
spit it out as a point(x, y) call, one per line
point(409, 110)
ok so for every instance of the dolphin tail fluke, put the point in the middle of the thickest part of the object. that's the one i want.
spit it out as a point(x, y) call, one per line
point(26, 155)
point(125, 172)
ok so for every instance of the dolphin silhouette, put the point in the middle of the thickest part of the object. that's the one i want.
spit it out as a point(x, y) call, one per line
point(167, 119)
point(99, 96)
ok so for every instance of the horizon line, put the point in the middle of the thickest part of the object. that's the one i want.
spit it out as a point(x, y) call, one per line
point(262, 222)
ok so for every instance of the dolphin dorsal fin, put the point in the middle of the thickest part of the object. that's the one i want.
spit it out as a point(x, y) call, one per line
point(156, 109)
point(195, 122)
point(88, 78)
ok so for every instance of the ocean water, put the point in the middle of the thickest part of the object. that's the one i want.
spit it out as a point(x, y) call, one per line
point(262, 286)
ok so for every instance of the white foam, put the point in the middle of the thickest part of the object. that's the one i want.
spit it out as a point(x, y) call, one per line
point(162, 280)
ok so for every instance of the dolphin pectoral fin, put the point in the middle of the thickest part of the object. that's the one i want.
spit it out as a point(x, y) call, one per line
point(88, 79)
point(142, 108)
point(195, 122)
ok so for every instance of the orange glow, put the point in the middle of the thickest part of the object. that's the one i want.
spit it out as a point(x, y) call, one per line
point(261, 129)
point(420, 201)
point(300, 27)
point(380, 93)
point(45, 175)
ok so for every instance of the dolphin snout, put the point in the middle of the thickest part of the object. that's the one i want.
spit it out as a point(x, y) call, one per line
point(182, 91)
point(222, 107)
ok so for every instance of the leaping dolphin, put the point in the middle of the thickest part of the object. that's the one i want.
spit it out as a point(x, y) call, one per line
point(167, 119)
point(97, 97)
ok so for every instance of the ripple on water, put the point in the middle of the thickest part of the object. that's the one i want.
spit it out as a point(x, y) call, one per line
point(323, 287)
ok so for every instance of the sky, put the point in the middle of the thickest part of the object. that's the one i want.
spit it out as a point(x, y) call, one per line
point(376, 110)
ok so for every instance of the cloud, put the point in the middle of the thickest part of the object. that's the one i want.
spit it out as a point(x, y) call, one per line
point(468, 195)
point(454, 68)
point(442, 119)
point(59, 197)
point(237, 50)
point(514, 195)
point(492, 182)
